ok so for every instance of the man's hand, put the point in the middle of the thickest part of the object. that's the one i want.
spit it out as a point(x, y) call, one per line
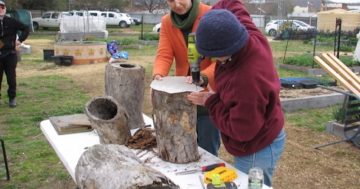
point(17, 45)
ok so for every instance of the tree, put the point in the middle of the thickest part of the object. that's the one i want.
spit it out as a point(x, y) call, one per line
point(151, 5)
point(99, 4)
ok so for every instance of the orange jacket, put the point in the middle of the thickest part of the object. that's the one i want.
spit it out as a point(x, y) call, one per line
point(172, 46)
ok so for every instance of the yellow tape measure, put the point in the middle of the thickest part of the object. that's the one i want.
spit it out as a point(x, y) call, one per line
point(226, 174)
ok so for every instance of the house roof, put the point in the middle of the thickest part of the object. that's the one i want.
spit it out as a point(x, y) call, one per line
point(343, 1)
point(337, 11)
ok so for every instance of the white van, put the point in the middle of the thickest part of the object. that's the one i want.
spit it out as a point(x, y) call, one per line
point(50, 19)
point(118, 19)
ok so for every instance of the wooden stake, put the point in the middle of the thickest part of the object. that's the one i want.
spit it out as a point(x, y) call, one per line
point(344, 67)
point(339, 69)
point(335, 75)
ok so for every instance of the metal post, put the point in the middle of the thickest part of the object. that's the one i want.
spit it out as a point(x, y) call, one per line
point(337, 37)
point(142, 27)
point(5, 159)
point(315, 39)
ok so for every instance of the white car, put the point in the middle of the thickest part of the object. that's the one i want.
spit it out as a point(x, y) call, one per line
point(119, 19)
point(273, 26)
point(156, 28)
point(50, 19)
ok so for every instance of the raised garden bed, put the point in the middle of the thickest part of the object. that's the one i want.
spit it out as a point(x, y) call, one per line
point(298, 99)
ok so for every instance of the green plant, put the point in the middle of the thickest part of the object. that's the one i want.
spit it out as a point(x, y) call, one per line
point(301, 60)
point(339, 114)
point(149, 36)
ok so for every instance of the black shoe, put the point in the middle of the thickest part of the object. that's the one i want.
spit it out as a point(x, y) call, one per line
point(12, 103)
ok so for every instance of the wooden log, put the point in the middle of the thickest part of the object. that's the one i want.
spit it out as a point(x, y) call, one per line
point(126, 83)
point(345, 68)
point(113, 166)
point(175, 125)
point(335, 75)
point(109, 119)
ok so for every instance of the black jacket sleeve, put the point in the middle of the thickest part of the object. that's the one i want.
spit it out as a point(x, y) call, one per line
point(25, 30)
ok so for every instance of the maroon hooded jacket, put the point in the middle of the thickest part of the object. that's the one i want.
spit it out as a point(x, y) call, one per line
point(246, 108)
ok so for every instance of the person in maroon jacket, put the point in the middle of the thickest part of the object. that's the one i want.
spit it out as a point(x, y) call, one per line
point(246, 106)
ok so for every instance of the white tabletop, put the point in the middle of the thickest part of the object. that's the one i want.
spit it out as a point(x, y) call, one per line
point(69, 148)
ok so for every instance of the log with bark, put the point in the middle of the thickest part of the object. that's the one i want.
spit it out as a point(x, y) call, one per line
point(114, 166)
point(109, 119)
point(175, 125)
point(126, 83)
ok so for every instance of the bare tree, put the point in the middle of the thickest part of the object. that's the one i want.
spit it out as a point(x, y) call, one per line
point(151, 5)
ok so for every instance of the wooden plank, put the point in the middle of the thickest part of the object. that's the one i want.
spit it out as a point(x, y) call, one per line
point(340, 71)
point(344, 67)
point(71, 123)
point(336, 75)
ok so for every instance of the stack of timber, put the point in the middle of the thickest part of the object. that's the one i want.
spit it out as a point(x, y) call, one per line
point(339, 71)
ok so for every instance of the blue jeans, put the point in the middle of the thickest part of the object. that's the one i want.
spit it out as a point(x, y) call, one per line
point(208, 136)
point(266, 158)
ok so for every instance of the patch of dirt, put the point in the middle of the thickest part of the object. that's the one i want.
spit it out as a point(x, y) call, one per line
point(300, 167)
point(300, 93)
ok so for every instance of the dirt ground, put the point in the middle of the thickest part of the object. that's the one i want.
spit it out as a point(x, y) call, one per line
point(300, 167)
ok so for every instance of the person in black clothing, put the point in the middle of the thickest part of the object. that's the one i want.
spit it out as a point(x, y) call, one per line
point(9, 28)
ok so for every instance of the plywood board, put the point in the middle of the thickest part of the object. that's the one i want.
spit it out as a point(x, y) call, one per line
point(71, 123)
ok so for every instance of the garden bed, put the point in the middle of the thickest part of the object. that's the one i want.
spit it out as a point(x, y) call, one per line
point(298, 99)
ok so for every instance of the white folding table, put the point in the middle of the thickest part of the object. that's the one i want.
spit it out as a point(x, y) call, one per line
point(69, 148)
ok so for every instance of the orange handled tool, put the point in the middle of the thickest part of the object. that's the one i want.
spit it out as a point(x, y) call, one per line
point(202, 169)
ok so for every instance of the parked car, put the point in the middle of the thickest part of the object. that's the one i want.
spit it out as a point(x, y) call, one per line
point(136, 21)
point(272, 27)
point(157, 27)
point(50, 19)
point(114, 18)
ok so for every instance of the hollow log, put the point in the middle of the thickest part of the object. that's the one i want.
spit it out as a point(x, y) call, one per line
point(109, 119)
point(175, 125)
point(126, 83)
point(113, 166)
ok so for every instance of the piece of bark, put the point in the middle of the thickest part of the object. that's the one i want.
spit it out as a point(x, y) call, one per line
point(126, 83)
point(112, 166)
point(175, 126)
point(109, 119)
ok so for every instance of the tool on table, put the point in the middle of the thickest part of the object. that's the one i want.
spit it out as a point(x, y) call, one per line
point(226, 174)
point(194, 59)
point(217, 183)
point(202, 169)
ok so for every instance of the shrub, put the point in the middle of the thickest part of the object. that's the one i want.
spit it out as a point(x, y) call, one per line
point(307, 60)
point(150, 37)
point(301, 60)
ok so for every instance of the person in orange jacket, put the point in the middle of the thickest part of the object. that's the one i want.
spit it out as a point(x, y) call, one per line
point(175, 28)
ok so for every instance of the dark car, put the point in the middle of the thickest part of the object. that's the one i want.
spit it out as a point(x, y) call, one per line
point(136, 21)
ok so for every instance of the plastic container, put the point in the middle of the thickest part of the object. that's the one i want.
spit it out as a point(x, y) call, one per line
point(63, 60)
point(48, 54)
point(256, 178)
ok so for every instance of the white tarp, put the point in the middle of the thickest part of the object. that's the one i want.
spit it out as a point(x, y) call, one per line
point(357, 49)
point(82, 24)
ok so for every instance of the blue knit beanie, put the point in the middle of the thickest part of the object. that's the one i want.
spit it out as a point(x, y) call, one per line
point(220, 34)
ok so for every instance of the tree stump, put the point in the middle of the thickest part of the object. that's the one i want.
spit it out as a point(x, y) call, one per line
point(175, 125)
point(126, 83)
point(113, 166)
point(109, 119)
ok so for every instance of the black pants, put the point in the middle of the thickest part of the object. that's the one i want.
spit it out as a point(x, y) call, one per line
point(8, 65)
